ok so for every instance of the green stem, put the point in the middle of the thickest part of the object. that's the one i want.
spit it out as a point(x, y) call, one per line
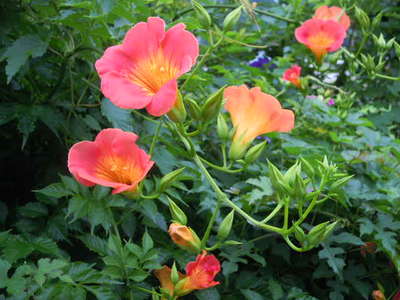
point(273, 213)
point(286, 215)
point(202, 60)
point(219, 168)
point(387, 77)
point(223, 151)
point(326, 84)
point(363, 41)
point(153, 142)
point(145, 290)
point(293, 246)
point(210, 224)
point(303, 216)
point(261, 12)
point(228, 202)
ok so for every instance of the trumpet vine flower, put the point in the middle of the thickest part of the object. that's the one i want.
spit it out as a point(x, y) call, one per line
point(113, 159)
point(142, 72)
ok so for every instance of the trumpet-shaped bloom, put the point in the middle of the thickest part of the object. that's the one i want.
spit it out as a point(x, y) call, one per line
point(143, 70)
point(184, 237)
point(321, 36)
point(293, 75)
point(201, 273)
point(333, 13)
point(112, 160)
point(164, 277)
point(254, 113)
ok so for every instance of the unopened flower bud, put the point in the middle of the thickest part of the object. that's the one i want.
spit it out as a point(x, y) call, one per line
point(202, 14)
point(178, 112)
point(184, 237)
point(212, 105)
point(232, 18)
point(378, 295)
point(254, 152)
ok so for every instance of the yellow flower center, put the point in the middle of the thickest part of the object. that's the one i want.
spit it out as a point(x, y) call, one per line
point(320, 43)
point(116, 169)
point(152, 73)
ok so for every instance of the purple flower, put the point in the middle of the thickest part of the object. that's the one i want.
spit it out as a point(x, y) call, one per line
point(260, 60)
point(260, 137)
point(331, 102)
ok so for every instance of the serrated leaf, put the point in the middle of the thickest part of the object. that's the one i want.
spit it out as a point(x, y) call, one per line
point(331, 255)
point(208, 294)
point(118, 117)
point(56, 190)
point(33, 210)
point(19, 52)
point(347, 238)
point(95, 244)
point(251, 295)
point(275, 289)
point(4, 267)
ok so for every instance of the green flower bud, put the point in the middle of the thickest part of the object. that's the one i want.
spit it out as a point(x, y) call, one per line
point(212, 105)
point(362, 18)
point(169, 179)
point(194, 109)
point(178, 112)
point(299, 234)
point(222, 128)
point(307, 167)
point(232, 18)
point(225, 227)
point(341, 182)
point(174, 274)
point(254, 152)
point(176, 213)
point(202, 14)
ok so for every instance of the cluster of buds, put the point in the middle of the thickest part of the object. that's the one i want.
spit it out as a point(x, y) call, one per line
point(200, 274)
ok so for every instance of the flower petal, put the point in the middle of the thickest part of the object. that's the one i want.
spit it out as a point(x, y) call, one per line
point(181, 46)
point(114, 58)
point(144, 38)
point(122, 92)
point(164, 100)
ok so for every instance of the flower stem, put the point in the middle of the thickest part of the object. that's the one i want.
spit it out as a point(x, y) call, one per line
point(219, 168)
point(273, 213)
point(155, 137)
point(210, 224)
point(201, 62)
point(222, 196)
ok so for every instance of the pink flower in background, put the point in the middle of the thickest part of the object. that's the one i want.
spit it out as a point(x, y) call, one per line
point(333, 13)
point(331, 102)
point(142, 72)
point(321, 36)
point(293, 75)
point(112, 160)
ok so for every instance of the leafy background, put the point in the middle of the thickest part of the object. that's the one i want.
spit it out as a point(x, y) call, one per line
point(55, 240)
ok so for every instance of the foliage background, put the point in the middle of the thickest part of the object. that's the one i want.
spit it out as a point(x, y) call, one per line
point(54, 242)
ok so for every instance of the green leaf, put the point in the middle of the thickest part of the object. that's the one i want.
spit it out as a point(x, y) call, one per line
point(19, 52)
point(102, 292)
point(275, 289)
point(33, 210)
point(251, 295)
point(118, 117)
point(147, 242)
point(347, 238)
point(331, 255)
point(95, 244)
point(229, 268)
point(208, 294)
point(4, 267)
point(56, 190)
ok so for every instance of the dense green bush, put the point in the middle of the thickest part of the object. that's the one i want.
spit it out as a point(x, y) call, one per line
point(62, 240)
